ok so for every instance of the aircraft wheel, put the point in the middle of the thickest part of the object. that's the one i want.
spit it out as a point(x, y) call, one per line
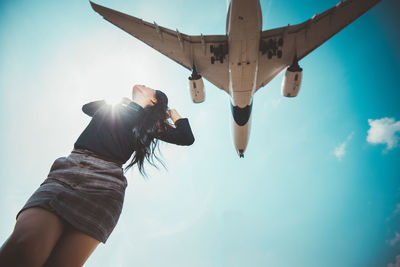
point(212, 60)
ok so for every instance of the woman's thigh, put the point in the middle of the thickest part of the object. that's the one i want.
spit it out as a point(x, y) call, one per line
point(73, 249)
point(35, 234)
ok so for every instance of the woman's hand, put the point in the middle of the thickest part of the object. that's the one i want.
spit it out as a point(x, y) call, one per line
point(143, 95)
point(173, 114)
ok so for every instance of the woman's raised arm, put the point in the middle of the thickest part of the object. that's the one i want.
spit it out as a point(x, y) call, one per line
point(181, 134)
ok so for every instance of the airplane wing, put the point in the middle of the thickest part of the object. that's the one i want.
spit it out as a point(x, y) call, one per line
point(278, 47)
point(208, 53)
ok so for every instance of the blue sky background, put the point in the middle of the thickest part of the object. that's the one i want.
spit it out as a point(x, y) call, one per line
point(311, 190)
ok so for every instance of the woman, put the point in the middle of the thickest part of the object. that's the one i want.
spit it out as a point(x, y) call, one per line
point(79, 203)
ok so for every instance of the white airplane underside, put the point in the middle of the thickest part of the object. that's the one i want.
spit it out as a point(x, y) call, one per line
point(245, 58)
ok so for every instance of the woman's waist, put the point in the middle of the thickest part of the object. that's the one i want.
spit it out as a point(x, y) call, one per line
point(86, 153)
point(86, 167)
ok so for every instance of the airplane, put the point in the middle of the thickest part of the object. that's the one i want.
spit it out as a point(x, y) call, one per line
point(246, 58)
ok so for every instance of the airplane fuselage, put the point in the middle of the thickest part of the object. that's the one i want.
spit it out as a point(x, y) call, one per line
point(243, 28)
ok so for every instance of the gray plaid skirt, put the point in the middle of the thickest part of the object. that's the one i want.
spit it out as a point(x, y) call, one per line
point(84, 190)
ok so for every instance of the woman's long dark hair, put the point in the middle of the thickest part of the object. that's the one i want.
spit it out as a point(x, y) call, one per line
point(152, 124)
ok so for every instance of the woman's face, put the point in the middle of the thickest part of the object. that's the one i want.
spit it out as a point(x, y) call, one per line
point(147, 93)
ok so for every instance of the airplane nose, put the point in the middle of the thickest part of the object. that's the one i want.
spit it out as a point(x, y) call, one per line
point(240, 137)
point(241, 120)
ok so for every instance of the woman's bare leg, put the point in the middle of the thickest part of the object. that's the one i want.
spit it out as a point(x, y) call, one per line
point(72, 250)
point(35, 234)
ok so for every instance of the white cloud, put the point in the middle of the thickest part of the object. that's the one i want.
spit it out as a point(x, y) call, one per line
point(340, 150)
point(395, 239)
point(396, 264)
point(397, 210)
point(383, 131)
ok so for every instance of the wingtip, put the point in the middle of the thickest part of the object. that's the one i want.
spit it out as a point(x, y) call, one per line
point(94, 5)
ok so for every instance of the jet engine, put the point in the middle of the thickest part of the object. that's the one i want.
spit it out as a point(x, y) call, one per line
point(292, 80)
point(196, 86)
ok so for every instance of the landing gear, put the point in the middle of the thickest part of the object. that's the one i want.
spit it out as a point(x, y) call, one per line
point(272, 47)
point(241, 153)
point(218, 53)
point(212, 60)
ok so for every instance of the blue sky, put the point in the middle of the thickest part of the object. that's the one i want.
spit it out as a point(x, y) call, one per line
point(320, 181)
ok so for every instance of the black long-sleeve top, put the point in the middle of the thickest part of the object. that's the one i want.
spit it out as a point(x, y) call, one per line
point(109, 133)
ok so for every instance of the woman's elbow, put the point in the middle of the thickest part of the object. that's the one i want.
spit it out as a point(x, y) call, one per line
point(189, 141)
